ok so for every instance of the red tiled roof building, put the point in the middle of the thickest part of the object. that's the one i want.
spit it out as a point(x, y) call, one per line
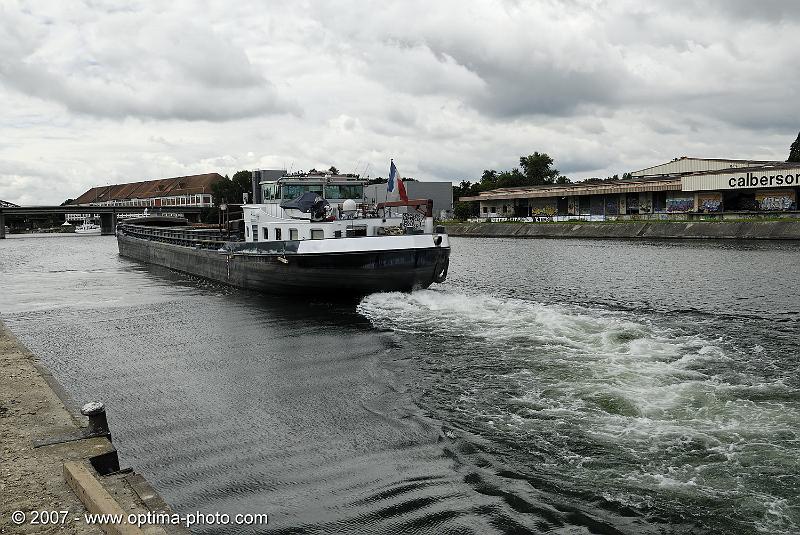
point(194, 190)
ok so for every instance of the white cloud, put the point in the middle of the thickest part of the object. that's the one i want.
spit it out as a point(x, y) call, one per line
point(150, 64)
point(93, 93)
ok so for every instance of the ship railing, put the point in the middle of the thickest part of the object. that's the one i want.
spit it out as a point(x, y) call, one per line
point(200, 238)
point(423, 206)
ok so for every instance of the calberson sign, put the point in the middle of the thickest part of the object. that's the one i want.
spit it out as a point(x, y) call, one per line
point(765, 178)
point(751, 180)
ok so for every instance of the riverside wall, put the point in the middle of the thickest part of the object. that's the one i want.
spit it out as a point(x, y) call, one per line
point(652, 230)
point(61, 476)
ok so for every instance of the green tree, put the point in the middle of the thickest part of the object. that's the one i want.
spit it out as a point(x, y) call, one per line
point(794, 151)
point(231, 190)
point(333, 170)
point(537, 169)
point(242, 181)
point(382, 180)
point(534, 170)
point(221, 190)
point(512, 179)
point(463, 210)
point(466, 189)
point(68, 201)
point(488, 179)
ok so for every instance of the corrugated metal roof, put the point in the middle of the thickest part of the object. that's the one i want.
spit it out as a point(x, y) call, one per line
point(692, 165)
point(164, 187)
point(598, 188)
point(762, 166)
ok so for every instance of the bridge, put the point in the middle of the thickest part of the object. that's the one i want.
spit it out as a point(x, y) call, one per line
point(108, 214)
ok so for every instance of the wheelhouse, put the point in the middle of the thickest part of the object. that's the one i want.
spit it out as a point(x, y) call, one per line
point(334, 188)
point(348, 216)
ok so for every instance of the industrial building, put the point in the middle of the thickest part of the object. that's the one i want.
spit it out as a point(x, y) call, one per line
point(677, 189)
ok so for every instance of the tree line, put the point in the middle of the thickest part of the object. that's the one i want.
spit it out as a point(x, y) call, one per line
point(794, 150)
point(534, 170)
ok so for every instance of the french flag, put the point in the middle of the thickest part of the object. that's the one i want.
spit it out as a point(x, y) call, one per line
point(395, 187)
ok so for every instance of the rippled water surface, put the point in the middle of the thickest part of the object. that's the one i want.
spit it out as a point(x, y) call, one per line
point(549, 386)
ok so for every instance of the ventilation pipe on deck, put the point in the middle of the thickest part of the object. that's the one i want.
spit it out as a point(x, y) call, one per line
point(256, 187)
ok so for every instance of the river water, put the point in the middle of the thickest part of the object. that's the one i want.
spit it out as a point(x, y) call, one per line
point(558, 386)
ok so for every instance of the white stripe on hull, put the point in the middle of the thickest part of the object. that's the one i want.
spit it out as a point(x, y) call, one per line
point(370, 243)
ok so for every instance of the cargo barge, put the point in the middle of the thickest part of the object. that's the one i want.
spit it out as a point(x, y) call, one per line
point(308, 244)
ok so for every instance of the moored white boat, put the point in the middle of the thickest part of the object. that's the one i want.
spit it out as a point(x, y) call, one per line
point(87, 228)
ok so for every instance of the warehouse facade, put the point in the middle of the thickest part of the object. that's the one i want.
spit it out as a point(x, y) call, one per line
point(678, 189)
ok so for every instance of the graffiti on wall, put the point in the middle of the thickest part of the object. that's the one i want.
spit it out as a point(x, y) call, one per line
point(543, 206)
point(645, 202)
point(680, 203)
point(612, 205)
point(631, 203)
point(596, 205)
point(572, 206)
point(709, 202)
point(776, 200)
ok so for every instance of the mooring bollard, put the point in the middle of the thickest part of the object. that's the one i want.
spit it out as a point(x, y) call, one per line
point(98, 427)
point(98, 424)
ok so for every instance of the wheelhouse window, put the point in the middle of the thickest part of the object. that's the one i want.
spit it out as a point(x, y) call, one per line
point(293, 191)
point(265, 233)
point(255, 232)
point(271, 191)
point(344, 191)
point(278, 234)
point(293, 235)
point(317, 234)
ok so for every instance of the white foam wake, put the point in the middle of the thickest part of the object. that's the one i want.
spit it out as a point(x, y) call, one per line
point(663, 392)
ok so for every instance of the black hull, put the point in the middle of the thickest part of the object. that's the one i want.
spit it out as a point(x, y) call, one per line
point(328, 274)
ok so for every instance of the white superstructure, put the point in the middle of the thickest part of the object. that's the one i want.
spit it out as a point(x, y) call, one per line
point(342, 212)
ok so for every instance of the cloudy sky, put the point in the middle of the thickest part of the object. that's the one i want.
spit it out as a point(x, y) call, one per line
point(95, 92)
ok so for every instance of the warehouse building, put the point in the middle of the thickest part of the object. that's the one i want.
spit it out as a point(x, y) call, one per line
point(678, 189)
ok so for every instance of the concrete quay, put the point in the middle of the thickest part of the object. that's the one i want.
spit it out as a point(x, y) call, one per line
point(62, 476)
point(651, 230)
